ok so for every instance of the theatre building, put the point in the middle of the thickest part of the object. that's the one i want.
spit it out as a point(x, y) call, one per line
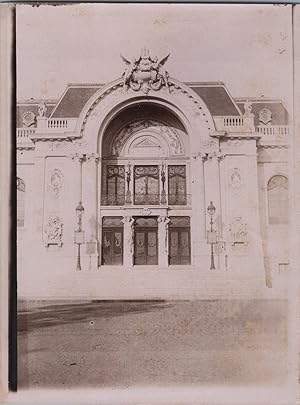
point(147, 187)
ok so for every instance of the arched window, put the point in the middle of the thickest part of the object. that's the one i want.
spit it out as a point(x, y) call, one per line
point(20, 202)
point(278, 200)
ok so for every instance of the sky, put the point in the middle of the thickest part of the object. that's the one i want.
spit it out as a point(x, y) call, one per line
point(249, 47)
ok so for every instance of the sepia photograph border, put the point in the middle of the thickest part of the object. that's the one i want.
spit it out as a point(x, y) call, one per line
point(8, 278)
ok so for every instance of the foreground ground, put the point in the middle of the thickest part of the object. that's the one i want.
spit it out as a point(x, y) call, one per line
point(109, 344)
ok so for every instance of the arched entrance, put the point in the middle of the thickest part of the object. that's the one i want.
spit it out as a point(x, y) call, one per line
point(145, 175)
point(147, 162)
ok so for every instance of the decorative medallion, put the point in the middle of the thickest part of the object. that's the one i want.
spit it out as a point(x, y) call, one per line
point(54, 231)
point(145, 73)
point(56, 181)
point(265, 116)
point(20, 184)
point(28, 119)
point(235, 179)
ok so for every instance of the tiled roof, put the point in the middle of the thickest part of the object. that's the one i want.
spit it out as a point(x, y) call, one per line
point(73, 100)
point(214, 94)
point(280, 115)
point(216, 98)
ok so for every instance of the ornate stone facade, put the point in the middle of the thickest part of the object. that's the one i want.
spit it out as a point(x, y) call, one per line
point(145, 157)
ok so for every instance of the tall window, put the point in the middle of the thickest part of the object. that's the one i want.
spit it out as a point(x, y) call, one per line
point(177, 184)
point(146, 185)
point(179, 240)
point(115, 185)
point(20, 202)
point(278, 200)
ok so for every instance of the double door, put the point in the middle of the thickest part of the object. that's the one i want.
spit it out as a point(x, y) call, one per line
point(112, 246)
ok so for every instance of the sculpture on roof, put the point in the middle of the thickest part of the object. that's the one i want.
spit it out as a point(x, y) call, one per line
point(145, 73)
point(248, 109)
point(42, 109)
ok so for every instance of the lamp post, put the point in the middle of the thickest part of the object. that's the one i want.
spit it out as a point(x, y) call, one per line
point(79, 234)
point(211, 234)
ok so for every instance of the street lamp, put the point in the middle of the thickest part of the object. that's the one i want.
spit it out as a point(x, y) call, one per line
point(211, 234)
point(79, 234)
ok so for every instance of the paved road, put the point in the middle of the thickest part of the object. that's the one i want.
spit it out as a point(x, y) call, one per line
point(108, 344)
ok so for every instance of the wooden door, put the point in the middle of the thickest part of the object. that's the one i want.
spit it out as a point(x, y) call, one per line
point(145, 247)
point(179, 246)
point(112, 246)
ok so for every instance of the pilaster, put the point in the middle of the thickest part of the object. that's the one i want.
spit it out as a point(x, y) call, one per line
point(90, 204)
point(128, 247)
point(163, 222)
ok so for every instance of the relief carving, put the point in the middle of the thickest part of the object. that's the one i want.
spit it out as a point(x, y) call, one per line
point(265, 116)
point(56, 182)
point(54, 231)
point(145, 73)
point(238, 230)
point(136, 126)
point(28, 119)
point(235, 179)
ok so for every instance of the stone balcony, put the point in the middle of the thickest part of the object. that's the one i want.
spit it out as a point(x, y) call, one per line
point(273, 134)
point(234, 124)
point(23, 137)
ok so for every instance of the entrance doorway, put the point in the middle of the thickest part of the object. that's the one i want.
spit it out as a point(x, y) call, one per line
point(112, 241)
point(145, 241)
point(179, 240)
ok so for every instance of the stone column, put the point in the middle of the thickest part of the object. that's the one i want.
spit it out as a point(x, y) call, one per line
point(163, 259)
point(128, 246)
point(90, 204)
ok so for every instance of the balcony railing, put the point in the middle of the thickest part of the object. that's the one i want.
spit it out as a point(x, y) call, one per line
point(23, 137)
point(113, 199)
point(273, 129)
point(146, 199)
point(56, 125)
point(24, 133)
point(234, 123)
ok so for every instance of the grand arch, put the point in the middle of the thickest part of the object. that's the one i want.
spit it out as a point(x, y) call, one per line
point(159, 139)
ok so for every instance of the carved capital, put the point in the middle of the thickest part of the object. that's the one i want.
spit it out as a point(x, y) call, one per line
point(164, 220)
point(128, 220)
point(92, 157)
point(76, 157)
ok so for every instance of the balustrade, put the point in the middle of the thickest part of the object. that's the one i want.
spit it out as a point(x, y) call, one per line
point(273, 129)
point(24, 133)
